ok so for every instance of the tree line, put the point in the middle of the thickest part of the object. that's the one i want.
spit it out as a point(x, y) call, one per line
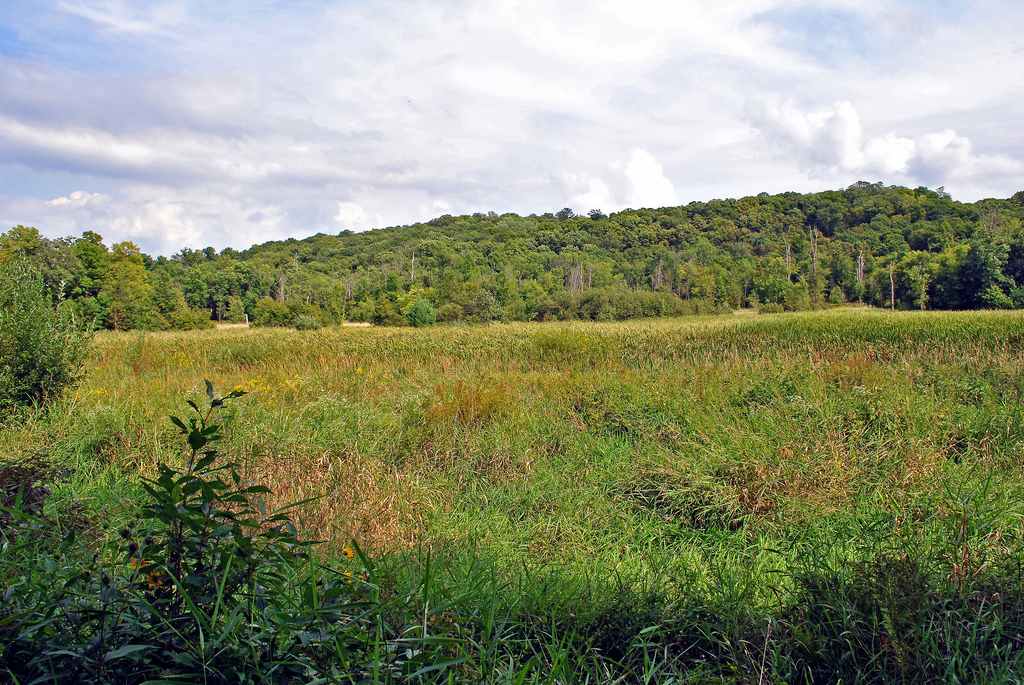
point(886, 246)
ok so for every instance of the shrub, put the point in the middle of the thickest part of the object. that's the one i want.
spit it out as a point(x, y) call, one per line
point(796, 298)
point(42, 345)
point(205, 586)
point(995, 298)
point(270, 312)
point(189, 319)
point(387, 314)
point(449, 313)
point(422, 313)
point(236, 310)
point(306, 322)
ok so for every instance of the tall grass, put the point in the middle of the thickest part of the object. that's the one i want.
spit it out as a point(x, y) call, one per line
point(801, 497)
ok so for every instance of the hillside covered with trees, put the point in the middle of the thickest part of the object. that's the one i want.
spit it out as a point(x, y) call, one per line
point(884, 246)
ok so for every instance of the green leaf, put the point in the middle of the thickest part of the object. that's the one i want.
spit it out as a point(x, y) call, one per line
point(440, 666)
point(126, 650)
point(196, 440)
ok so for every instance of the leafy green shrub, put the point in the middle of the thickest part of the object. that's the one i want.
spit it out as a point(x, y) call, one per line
point(797, 298)
point(196, 571)
point(235, 310)
point(994, 297)
point(189, 319)
point(422, 313)
point(42, 346)
point(307, 322)
point(270, 312)
point(205, 585)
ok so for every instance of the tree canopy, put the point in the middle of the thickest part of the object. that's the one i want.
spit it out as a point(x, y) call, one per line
point(887, 246)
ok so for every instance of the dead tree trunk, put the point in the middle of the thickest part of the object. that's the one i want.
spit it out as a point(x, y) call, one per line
point(892, 287)
point(814, 265)
point(281, 279)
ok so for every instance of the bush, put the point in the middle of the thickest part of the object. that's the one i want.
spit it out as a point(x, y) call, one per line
point(306, 322)
point(42, 345)
point(449, 313)
point(797, 298)
point(204, 586)
point(189, 319)
point(995, 298)
point(270, 312)
point(422, 313)
point(236, 310)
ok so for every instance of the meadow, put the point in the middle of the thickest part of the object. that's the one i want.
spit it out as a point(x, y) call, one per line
point(812, 497)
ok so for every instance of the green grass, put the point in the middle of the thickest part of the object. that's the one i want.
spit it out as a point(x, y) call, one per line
point(738, 498)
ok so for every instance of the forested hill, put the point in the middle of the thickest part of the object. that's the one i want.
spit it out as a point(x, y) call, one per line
point(869, 243)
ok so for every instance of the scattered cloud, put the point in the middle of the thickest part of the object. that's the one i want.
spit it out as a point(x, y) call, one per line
point(186, 123)
point(832, 140)
point(78, 199)
point(125, 17)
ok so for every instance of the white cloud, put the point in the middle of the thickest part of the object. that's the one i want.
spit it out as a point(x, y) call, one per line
point(832, 140)
point(588, 193)
point(648, 185)
point(78, 199)
point(889, 154)
point(831, 137)
point(160, 221)
point(118, 16)
point(353, 217)
point(945, 154)
point(638, 182)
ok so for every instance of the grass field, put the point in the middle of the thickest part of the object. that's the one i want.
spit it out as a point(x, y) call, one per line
point(814, 497)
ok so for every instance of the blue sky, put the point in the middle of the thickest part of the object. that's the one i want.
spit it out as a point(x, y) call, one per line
point(178, 123)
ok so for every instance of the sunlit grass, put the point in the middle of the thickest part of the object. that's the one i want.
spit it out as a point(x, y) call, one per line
point(709, 457)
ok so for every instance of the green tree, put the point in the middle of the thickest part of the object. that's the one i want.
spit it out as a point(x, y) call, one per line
point(53, 260)
point(127, 291)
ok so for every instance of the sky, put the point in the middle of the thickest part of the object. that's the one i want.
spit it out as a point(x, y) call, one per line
point(188, 123)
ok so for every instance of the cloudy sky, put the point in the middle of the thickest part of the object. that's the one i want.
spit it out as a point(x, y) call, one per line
point(191, 123)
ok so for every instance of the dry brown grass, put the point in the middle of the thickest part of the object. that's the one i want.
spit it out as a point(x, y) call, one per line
point(468, 405)
point(357, 498)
